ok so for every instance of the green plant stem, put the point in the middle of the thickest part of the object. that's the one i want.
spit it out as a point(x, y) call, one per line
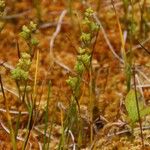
point(91, 104)
point(37, 5)
point(46, 116)
point(125, 6)
point(12, 133)
point(62, 140)
point(92, 89)
point(129, 56)
point(49, 138)
point(29, 127)
point(142, 8)
point(138, 110)
point(70, 7)
point(146, 50)
point(17, 125)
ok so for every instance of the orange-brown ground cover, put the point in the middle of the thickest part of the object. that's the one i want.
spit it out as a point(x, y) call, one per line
point(110, 79)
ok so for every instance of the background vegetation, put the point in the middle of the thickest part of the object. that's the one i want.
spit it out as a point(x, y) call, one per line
point(74, 74)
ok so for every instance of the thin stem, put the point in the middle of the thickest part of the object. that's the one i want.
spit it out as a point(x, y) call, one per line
point(91, 104)
point(138, 109)
point(46, 116)
point(12, 134)
point(29, 127)
point(144, 48)
point(142, 8)
point(37, 5)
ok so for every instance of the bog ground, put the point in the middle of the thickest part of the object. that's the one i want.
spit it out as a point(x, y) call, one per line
point(74, 74)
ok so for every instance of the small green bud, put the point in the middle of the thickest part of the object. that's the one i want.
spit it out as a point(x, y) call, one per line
point(81, 50)
point(89, 12)
point(85, 59)
point(85, 37)
point(24, 62)
point(72, 82)
point(25, 33)
point(34, 42)
point(94, 26)
point(19, 74)
point(28, 88)
point(33, 26)
point(25, 55)
point(26, 29)
point(79, 67)
point(86, 21)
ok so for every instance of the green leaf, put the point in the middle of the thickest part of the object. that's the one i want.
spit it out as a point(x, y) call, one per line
point(145, 111)
point(131, 105)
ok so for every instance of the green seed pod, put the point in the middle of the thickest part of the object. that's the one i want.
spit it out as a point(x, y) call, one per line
point(89, 12)
point(86, 21)
point(34, 42)
point(25, 55)
point(79, 67)
point(85, 37)
point(28, 88)
point(26, 33)
point(33, 26)
point(81, 50)
point(72, 82)
point(26, 29)
point(85, 59)
point(94, 26)
point(19, 74)
point(24, 62)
